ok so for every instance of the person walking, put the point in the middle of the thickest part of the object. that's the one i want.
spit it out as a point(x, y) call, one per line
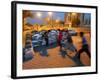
point(67, 44)
point(70, 43)
point(85, 47)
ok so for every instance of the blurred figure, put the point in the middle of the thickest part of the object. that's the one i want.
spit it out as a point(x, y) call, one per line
point(46, 37)
point(67, 44)
point(70, 42)
point(60, 35)
point(85, 47)
point(42, 48)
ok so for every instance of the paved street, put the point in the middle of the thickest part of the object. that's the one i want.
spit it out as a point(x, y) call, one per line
point(55, 60)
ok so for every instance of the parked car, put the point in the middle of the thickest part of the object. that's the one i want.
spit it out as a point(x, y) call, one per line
point(54, 32)
point(42, 32)
point(72, 32)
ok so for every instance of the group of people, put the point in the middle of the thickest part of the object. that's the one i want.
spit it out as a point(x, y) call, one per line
point(65, 42)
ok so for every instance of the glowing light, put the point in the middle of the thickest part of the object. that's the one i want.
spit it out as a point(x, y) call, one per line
point(73, 14)
point(38, 14)
point(50, 13)
point(48, 19)
point(57, 20)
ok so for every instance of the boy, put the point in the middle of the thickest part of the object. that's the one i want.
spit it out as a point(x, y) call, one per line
point(85, 47)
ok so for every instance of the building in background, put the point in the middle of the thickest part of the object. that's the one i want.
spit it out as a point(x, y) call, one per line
point(72, 19)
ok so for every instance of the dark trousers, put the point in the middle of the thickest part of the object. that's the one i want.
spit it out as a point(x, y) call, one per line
point(59, 43)
point(84, 49)
point(46, 39)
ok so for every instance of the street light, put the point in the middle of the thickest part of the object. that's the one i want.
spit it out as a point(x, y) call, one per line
point(73, 13)
point(48, 19)
point(57, 20)
point(38, 14)
point(50, 15)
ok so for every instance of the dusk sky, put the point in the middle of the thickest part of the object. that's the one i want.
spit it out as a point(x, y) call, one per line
point(55, 15)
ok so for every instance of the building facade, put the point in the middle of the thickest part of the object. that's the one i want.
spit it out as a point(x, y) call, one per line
point(72, 19)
